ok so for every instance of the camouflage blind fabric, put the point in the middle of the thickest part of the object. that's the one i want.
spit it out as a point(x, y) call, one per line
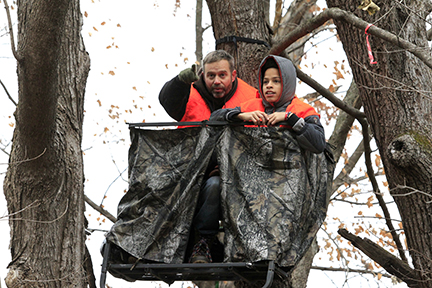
point(274, 195)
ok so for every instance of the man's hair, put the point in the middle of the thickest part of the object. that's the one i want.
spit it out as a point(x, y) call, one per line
point(217, 56)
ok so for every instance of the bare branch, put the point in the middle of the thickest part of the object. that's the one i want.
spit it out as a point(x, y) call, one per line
point(412, 191)
point(388, 261)
point(350, 270)
point(340, 179)
point(335, 13)
point(278, 14)
point(31, 205)
point(14, 52)
point(40, 221)
point(358, 203)
point(26, 160)
point(4, 150)
point(344, 121)
point(100, 209)
point(7, 92)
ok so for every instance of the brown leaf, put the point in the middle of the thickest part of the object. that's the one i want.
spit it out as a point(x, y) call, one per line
point(338, 74)
point(377, 160)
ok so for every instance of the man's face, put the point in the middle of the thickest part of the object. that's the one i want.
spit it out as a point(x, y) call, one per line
point(218, 78)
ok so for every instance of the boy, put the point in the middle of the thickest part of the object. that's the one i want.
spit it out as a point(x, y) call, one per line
point(276, 87)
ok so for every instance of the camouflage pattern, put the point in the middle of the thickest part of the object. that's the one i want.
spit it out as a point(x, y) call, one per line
point(273, 193)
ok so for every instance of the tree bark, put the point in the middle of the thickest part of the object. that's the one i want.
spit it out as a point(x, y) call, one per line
point(44, 181)
point(399, 111)
point(198, 31)
point(241, 18)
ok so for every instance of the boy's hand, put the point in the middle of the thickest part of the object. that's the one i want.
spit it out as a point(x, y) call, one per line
point(257, 117)
point(275, 118)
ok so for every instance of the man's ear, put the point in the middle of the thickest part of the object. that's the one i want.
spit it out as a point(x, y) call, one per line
point(234, 74)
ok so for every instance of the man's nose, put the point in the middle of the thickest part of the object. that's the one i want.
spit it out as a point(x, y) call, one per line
point(217, 80)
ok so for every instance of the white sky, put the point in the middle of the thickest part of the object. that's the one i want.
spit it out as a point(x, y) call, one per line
point(149, 48)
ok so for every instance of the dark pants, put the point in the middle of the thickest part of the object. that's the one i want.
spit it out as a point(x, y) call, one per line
point(207, 217)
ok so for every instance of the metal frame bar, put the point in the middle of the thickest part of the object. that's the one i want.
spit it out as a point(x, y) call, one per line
point(169, 273)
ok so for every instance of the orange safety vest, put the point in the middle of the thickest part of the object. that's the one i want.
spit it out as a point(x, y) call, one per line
point(197, 109)
point(298, 107)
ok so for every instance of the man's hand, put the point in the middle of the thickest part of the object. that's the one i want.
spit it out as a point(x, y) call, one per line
point(257, 117)
point(189, 75)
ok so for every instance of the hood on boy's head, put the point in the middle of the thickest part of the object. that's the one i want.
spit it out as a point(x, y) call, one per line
point(270, 63)
point(288, 76)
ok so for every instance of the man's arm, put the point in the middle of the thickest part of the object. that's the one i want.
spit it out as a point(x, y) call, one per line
point(174, 97)
point(227, 114)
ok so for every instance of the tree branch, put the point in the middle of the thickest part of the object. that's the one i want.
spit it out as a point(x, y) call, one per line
point(7, 92)
point(352, 161)
point(14, 52)
point(335, 13)
point(348, 270)
point(328, 95)
point(388, 261)
point(100, 209)
point(345, 121)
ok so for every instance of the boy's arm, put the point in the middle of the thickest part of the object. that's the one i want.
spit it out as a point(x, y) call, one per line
point(309, 133)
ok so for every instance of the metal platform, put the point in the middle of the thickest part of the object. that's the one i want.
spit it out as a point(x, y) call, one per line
point(169, 273)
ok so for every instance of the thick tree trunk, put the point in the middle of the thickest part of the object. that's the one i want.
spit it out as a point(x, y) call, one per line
point(44, 181)
point(241, 18)
point(396, 98)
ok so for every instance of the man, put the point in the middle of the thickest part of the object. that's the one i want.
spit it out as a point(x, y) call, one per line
point(216, 87)
point(192, 97)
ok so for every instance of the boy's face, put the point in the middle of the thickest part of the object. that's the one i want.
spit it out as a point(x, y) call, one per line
point(272, 85)
point(218, 78)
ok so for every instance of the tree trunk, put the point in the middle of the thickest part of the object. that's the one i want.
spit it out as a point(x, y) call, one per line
point(44, 181)
point(397, 103)
point(199, 30)
point(241, 18)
